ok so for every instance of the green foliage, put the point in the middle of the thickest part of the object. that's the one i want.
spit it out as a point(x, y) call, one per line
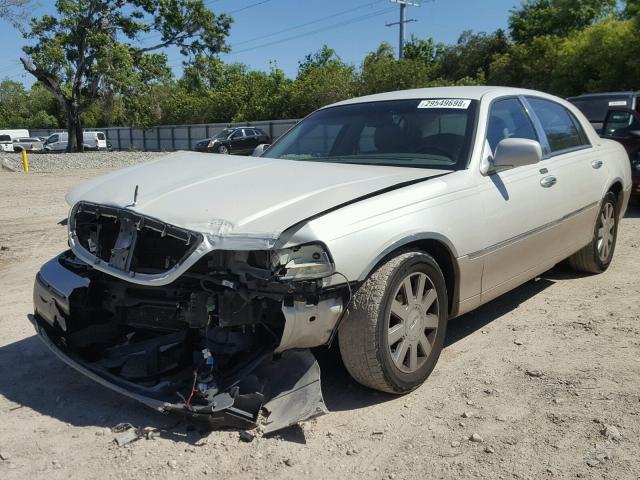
point(537, 18)
point(20, 108)
point(561, 46)
point(91, 48)
point(473, 54)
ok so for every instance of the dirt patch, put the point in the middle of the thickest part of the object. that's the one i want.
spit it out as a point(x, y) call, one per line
point(544, 382)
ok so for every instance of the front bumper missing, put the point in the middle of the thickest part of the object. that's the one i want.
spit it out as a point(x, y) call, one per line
point(286, 390)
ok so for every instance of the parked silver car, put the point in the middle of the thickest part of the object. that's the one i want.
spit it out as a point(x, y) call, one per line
point(374, 221)
point(29, 144)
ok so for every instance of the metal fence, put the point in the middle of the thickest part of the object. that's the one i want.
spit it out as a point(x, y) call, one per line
point(173, 137)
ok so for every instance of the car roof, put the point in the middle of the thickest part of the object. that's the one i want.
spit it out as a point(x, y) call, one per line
point(586, 96)
point(471, 92)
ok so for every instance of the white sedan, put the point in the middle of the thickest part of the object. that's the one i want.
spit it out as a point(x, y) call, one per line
point(195, 283)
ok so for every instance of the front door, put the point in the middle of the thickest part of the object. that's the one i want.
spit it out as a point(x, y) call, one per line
point(520, 205)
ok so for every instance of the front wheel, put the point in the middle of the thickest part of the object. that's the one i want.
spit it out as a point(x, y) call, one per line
point(597, 255)
point(393, 335)
point(223, 150)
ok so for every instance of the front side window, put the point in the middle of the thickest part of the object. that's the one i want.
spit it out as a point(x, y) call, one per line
point(508, 119)
point(619, 123)
point(224, 134)
point(562, 129)
point(418, 133)
point(101, 136)
point(53, 139)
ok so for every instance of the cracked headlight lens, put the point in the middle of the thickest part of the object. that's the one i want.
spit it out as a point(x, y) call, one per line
point(306, 262)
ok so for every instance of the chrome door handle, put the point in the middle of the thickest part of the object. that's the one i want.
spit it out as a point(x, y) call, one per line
point(597, 163)
point(549, 181)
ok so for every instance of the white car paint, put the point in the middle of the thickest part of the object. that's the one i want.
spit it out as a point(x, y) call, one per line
point(501, 229)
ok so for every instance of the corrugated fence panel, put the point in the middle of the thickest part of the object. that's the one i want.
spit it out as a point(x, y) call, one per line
point(173, 137)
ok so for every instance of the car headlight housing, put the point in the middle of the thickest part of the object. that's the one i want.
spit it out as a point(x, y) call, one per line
point(211, 143)
point(304, 262)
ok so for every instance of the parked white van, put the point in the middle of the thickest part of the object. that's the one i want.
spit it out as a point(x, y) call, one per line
point(8, 136)
point(92, 141)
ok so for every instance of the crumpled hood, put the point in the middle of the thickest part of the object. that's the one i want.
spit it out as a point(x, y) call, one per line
point(238, 196)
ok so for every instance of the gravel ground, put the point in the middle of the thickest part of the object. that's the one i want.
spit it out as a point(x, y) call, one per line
point(54, 162)
point(543, 383)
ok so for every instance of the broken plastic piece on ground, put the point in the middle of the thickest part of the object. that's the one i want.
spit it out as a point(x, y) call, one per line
point(294, 391)
point(287, 388)
point(125, 434)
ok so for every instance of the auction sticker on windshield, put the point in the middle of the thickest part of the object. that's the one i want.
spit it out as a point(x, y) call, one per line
point(445, 103)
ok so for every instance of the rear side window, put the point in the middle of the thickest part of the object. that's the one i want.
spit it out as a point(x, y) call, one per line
point(563, 130)
point(508, 119)
point(5, 138)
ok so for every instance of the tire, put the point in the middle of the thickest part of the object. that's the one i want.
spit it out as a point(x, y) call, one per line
point(223, 150)
point(364, 336)
point(597, 255)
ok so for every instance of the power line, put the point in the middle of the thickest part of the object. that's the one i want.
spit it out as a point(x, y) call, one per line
point(249, 6)
point(302, 25)
point(312, 32)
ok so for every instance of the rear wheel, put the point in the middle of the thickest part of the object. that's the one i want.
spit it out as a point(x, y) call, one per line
point(597, 255)
point(396, 326)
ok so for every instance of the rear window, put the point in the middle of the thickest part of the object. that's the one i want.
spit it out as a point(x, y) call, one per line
point(595, 109)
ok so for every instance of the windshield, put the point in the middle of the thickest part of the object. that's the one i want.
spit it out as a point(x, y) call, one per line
point(224, 133)
point(418, 133)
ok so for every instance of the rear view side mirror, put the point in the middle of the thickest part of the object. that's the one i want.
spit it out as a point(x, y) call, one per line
point(260, 149)
point(516, 152)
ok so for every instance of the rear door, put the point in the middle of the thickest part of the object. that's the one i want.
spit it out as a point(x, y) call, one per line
point(578, 167)
point(253, 139)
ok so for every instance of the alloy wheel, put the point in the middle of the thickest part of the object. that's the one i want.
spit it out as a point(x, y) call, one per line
point(606, 232)
point(413, 322)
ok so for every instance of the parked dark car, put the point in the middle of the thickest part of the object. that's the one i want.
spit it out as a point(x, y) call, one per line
point(596, 105)
point(239, 140)
point(623, 125)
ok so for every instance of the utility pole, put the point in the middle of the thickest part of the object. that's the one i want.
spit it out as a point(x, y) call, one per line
point(403, 5)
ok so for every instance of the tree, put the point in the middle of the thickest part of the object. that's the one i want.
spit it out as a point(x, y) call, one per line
point(601, 58)
point(381, 72)
point(20, 108)
point(473, 53)
point(14, 11)
point(94, 46)
point(537, 18)
point(425, 51)
point(530, 65)
point(323, 78)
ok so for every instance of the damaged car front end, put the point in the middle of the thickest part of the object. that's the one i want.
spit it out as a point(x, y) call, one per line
point(223, 342)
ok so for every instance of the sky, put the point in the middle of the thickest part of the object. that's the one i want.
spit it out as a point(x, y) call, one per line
point(284, 31)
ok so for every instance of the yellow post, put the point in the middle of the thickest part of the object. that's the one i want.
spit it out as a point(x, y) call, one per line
point(25, 161)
